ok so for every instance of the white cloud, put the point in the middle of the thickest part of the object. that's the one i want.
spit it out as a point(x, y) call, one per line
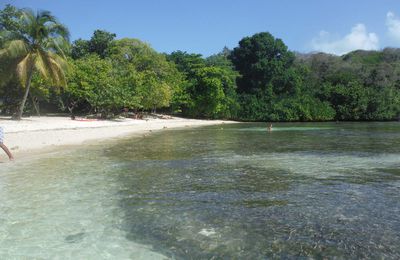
point(393, 26)
point(357, 39)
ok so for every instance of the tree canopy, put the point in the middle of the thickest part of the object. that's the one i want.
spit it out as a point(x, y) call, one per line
point(258, 80)
point(34, 45)
point(260, 59)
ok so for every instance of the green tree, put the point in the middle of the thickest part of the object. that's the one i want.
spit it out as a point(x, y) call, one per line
point(210, 84)
point(271, 85)
point(91, 82)
point(100, 42)
point(259, 59)
point(187, 63)
point(36, 46)
point(80, 48)
point(361, 85)
point(156, 82)
point(350, 100)
point(9, 23)
point(40, 91)
point(10, 96)
point(220, 59)
point(153, 92)
point(209, 93)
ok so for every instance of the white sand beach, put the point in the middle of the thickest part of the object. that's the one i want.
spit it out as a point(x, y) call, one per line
point(45, 132)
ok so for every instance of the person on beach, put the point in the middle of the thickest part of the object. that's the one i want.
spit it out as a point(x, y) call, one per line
point(3, 146)
point(269, 128)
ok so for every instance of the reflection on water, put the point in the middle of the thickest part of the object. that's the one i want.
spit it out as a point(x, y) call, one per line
point(319, 190)
point(231, 192)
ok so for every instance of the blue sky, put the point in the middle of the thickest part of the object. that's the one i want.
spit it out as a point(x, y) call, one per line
point(206, 26)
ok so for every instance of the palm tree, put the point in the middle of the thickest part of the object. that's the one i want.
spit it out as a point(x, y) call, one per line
point(37, 46)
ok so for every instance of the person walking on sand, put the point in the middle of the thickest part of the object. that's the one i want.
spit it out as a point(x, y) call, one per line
point(3, 146)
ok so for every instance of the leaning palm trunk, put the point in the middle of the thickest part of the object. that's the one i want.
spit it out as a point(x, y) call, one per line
point(25, 97)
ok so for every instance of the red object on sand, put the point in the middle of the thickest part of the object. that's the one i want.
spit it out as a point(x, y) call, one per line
point(86, 119)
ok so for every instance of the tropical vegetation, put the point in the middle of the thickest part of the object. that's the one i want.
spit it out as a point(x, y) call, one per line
point(258, 80)
point(33, 44)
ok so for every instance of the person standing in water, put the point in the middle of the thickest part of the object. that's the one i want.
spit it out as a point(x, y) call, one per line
point(269, 128)
point(3, 146)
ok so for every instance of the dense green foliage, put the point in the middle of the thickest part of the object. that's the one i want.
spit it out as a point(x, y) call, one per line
point(131, 76)
point(361, 85)
point(100, 43)
point(211, 87)
point(273, 86)
point(259, 80)
point(33, 44)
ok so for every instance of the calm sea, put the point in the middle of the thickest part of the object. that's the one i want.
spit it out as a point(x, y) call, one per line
point(220, 192)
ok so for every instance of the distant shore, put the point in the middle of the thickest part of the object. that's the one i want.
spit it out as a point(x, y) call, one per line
point(45, 132)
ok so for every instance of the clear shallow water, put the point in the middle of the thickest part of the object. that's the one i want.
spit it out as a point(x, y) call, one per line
point(231, 191)
point(64, 206)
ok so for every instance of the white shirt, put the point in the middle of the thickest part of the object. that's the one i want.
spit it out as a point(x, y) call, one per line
point(1, 134)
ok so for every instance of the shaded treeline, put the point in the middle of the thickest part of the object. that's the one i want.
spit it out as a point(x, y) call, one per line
point(259, 80)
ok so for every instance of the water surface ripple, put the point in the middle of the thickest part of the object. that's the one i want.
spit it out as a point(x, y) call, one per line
point(237, 191)
point(304, 190)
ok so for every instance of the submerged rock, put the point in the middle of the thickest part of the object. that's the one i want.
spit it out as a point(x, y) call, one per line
point(75, 238)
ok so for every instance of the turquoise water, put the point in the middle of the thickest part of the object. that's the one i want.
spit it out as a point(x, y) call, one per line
point(221, 192)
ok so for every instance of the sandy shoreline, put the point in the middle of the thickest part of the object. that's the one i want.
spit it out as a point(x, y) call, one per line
point(46, 132)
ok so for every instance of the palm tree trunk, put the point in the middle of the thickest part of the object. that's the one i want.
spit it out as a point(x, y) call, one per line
point(27, 87)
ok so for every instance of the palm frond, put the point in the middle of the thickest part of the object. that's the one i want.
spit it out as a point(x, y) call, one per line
point(41, 65)
point(39, 45)
point(61, 78)
point(45, 66)
point(28, 23)
point(58, 45)
point(62, 67)
point(24, 67)
point(14, 49)
point(8, 36)
point(57, 29)
point(28, 13)
point(52, 66)
point(44, 16)
point(63, 63)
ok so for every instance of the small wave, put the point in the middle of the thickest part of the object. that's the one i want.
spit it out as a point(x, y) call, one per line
point(279, 129)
